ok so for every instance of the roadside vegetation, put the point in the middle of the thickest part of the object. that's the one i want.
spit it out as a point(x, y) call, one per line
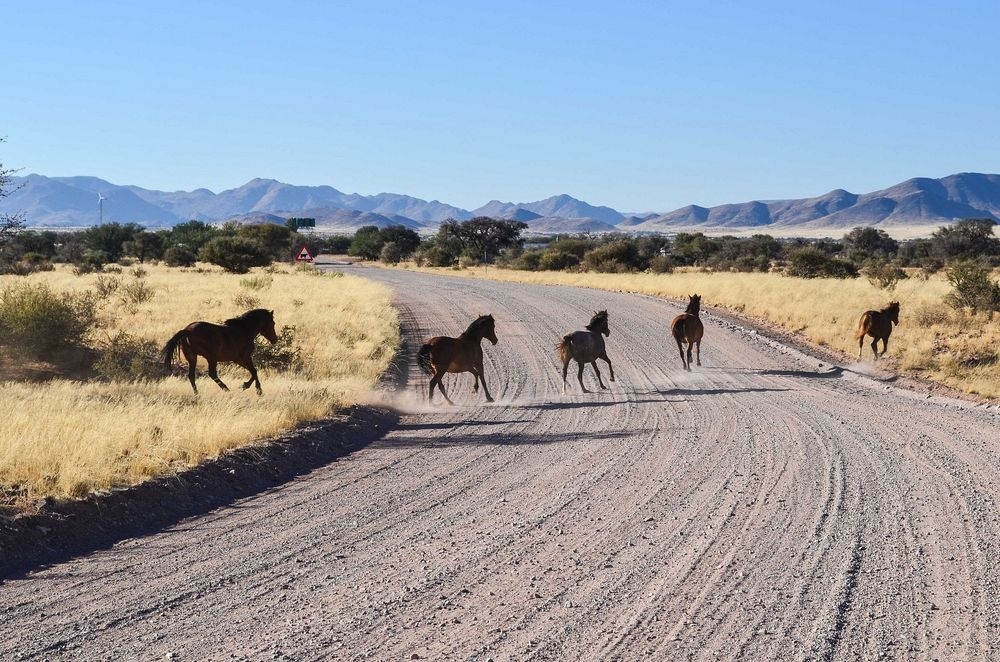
point(87, 406)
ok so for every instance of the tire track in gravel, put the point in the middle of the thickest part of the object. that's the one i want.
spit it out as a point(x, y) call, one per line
point(759, 507)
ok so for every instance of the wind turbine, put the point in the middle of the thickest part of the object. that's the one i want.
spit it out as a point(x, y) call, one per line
point(100, 206)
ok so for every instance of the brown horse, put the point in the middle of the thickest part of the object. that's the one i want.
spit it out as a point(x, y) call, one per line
point(687, 328)
point(443, 354)
point(232, 341)
point(878, 325)
point(586, 347)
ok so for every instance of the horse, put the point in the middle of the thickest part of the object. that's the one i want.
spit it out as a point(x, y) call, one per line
point(878, 325)
point(443, 354)
point(586, 347)
point(231, 341)
point(687, 328)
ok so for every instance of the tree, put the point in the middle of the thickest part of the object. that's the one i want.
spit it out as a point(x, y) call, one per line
point(406, 240)
point(867, 243)
point(10, 224)
point(144, 245)
point(192, 235)
point(969, 239)
point(234, 254)
point(274, 239)
point(484, 237)
point(109, 238)
point(367, 243)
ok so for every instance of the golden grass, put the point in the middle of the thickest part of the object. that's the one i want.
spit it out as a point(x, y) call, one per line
point(956, 348)
point(65, 438)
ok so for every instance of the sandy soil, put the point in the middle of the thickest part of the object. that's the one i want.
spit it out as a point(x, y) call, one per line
point(763, 507)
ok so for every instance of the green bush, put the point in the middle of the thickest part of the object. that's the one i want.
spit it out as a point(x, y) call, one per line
point(973, 287)
point(390, 253)
point(234, 254)
point(557, 260)
point(38, 320)
point(614, 257)
point(813, 262)
point(180, 256)
point(126, 358)
point(282, 355)
point(884, 275)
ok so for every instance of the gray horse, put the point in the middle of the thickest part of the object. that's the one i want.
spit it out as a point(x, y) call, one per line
point(586, 347)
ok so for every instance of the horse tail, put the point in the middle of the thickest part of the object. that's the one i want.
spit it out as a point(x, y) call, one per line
point(563, 349)
point(679, 328)
point(424, 359)
point(167, 355)
point(864, 325)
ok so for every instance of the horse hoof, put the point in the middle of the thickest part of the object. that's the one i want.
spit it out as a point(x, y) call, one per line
point(489, 399)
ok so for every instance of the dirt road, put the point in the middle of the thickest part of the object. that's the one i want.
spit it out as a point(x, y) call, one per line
point(761, 507)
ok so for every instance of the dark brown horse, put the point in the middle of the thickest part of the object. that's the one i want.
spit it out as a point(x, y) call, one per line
point(231, 341)
point(442, 354)
point(687, 328)
point(586, 347)
point(878, 325)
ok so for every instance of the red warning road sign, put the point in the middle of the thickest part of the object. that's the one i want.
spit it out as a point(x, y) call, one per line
point(304, 255)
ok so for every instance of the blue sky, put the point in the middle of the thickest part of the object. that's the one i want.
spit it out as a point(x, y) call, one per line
point(639, 106)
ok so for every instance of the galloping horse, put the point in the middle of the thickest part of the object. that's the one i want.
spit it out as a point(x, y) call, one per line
point(442, 354)
point(232, 341)
point(878, 325)
point(586, 347)
point(687, 328)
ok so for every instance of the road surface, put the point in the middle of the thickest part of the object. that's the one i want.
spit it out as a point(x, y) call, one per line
point(761, 507)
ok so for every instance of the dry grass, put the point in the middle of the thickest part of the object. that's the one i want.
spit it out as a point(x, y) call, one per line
point(65, 438)
point(956, 348)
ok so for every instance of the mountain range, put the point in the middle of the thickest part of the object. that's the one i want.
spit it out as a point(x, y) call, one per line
point(920, 203)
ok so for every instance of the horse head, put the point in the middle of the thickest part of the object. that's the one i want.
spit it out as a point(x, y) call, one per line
point(893, 312)
point(599, 323)
point(490, 332)
point(267, 327)
point(694, 304)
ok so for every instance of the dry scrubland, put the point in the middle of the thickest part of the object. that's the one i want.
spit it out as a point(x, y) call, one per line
point(957, 348)
point(66, 438)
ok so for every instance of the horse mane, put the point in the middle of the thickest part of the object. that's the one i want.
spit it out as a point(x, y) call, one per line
point(254, 316)
point(599, 317)
point(477, 325)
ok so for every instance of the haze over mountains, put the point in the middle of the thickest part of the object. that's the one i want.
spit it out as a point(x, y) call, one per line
point(920, 203)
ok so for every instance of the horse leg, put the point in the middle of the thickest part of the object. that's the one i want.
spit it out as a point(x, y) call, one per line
point(436, 379)
point(565, 370)
point(680, 348)
point(192, 360)
point(885, 345)
point(215, 375)
point(475, 387)
point(875, 348)
point(248, 364)
point(861, 345)
point(579, 376)
point(594, 363)
point(604, 357)
point(478, 372)
point(687, 366)
point(698, 347)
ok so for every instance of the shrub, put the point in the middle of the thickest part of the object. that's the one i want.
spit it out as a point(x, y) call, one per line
point(246, 301)
point(180, 256)
point(813, 262)
point(257, 282)
point(557, 260)
point(35, 318)
point(282, 355)
point(106, 285)
point(661, 264)
point(136, 292)
point(614, 257)
point(126, 358)
point(973, 287)
point(234, 254)
point(884, 275)
point(390, 253)
point(528, 261)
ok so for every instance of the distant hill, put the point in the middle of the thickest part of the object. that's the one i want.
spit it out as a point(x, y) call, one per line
point(916, 203)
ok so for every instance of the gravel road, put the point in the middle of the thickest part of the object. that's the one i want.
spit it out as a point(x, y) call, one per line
point(762, 507)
